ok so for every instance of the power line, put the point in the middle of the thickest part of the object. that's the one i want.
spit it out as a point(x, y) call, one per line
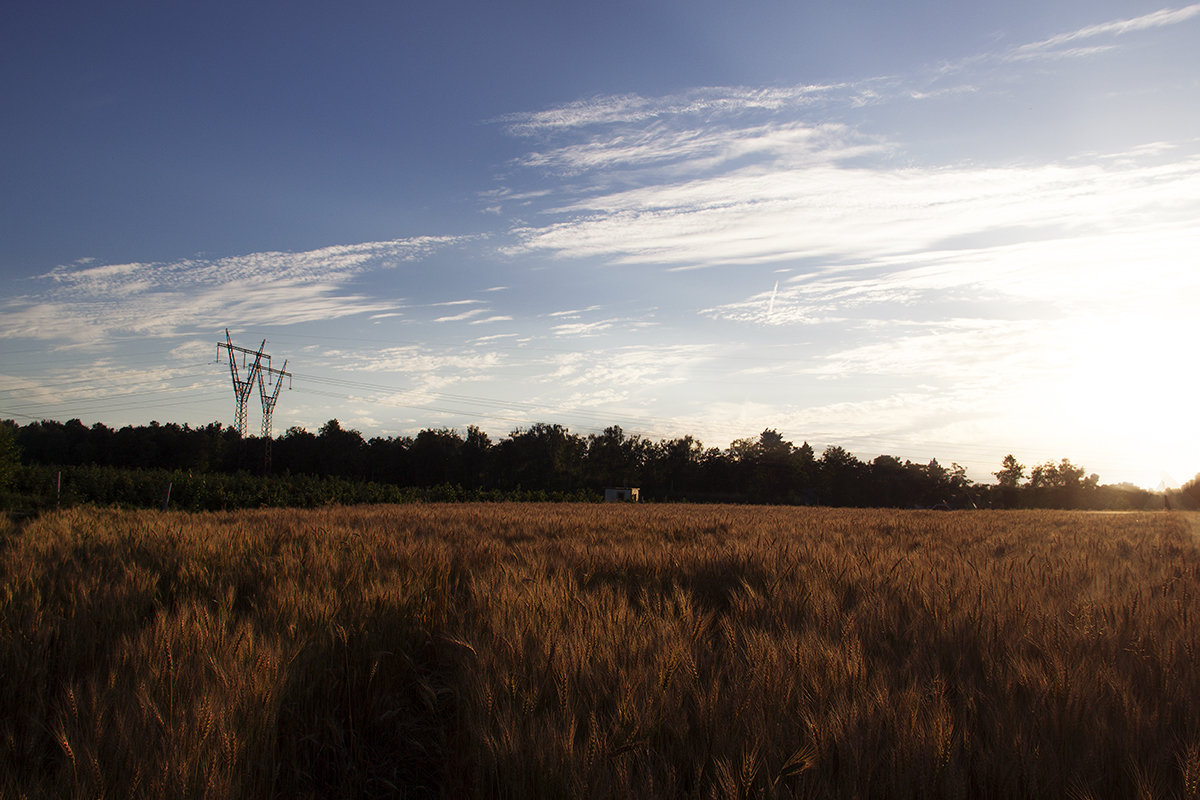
point(95, 410)
point(91, 381)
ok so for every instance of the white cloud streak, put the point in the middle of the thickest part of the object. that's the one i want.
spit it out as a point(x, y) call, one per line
point(630, 367)
point(91, 303)
point(572, 313)
point(632, 108)
point(474, 312)
point(419, 360)
point(780, 213)
point(703, 148)
point(736, 176)
point(587, 328)
point(1157, 19)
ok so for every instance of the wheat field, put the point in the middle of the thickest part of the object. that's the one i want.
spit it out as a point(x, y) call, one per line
point(540, 650)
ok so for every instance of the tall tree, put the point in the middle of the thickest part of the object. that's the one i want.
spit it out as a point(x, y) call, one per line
point(1010, 473)
point(614, 459)
point(776, 477)
point(476, 455)
point(341, 450)
point(675, 467)
point(841, 478)
point(544, 456)
point(1062, 485)
point(437, 457)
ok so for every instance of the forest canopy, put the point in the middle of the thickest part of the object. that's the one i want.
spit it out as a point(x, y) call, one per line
point(549, 458)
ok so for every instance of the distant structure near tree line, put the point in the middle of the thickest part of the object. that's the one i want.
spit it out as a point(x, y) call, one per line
point(621, 494)
point(243, 386)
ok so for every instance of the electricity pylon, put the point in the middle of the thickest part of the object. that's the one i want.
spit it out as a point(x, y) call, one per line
point(242, 387)
point(268, 404)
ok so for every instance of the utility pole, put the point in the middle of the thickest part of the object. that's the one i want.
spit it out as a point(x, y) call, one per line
point(242, 388)
point(268, 405)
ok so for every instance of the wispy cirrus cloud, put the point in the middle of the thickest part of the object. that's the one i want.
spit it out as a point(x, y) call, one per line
point(706, 148)
point(89, 303)
point(1062, 276)
point(704, 122)
point(785, 213)
point(721, 176)
point(592, 328)
point(633, 108)
point(465, 315)
point(996, 350)
point(1058, 43)
point(630, 366)
point(458, 303)
point(418, 360)
point(571, 313)
point(111, 384)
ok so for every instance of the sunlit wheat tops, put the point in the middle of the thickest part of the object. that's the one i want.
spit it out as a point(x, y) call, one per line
point(599, 651)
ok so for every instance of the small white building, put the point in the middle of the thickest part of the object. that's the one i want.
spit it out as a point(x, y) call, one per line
point(621, 494)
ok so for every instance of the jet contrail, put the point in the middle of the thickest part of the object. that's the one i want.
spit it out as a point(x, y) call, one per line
point(771, 304)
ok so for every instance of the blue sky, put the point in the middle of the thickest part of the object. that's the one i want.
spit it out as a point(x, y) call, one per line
point(928, 230)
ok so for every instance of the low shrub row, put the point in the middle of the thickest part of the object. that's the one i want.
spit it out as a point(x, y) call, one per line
point(38, 488)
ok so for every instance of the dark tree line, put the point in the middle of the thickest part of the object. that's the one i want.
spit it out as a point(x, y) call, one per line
point(549, 458)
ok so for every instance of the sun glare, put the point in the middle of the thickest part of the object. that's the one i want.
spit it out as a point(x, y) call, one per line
point(1128, 394)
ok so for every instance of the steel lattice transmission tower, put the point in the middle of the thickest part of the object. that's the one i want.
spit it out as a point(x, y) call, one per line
point(241, 386)
point(268, 403)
